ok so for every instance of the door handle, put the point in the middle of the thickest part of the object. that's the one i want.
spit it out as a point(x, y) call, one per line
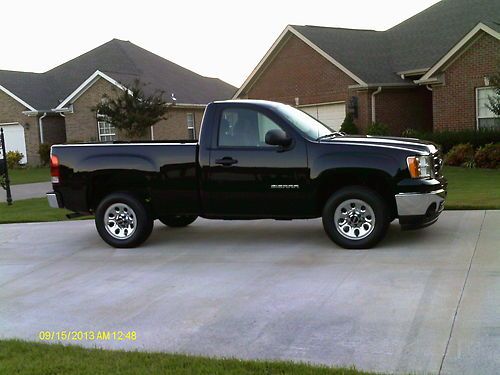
point(226, 161)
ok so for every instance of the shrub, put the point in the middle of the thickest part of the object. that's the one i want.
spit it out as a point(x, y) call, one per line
point(378, 128)
point(14, 159)
point(488, 156)
point(348, 125)
point(460, 155)
point(44, 152)
point(411, 133)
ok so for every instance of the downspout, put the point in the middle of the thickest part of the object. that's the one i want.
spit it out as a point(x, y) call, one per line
point(373, 102)
point(40, 127)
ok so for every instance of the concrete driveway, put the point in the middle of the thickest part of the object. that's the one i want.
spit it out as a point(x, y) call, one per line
point(423, 301)
point(26, 191)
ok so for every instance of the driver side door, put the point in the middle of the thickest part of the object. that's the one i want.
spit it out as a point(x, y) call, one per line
point(247, 177)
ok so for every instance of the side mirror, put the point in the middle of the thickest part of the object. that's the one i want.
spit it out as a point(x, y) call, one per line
point(278, 137)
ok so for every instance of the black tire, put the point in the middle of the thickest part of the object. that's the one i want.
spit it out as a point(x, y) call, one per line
point(178, 221)
point(375, 203)
point(143, 220)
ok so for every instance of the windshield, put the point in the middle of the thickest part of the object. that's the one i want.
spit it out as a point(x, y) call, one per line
point(307, 125)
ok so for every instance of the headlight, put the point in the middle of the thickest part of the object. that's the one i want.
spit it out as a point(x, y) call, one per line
point(419, 166)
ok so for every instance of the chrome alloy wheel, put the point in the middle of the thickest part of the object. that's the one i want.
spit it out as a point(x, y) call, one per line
point(354, 219)
point(120, 221)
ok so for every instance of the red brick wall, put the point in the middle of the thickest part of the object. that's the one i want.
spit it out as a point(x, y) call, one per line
point(299, 71)
point(364, 109)
point(175, 126)
point(401, 109)
point(454, 103)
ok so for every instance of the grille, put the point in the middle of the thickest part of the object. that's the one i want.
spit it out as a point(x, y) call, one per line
point(437, 162)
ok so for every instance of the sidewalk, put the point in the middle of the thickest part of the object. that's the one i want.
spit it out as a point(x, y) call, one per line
point(26, 191)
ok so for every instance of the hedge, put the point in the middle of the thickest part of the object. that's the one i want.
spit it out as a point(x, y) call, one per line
point(448, 139)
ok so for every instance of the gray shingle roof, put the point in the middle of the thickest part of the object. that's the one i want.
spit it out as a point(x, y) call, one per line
point(122, 61)
point(416, 43)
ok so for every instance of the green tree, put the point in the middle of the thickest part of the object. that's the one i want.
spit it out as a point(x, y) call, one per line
point(131, 110)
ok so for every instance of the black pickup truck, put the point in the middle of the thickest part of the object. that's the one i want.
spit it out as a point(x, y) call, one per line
point(254, 160)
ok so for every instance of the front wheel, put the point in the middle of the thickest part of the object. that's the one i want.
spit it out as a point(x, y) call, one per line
point(355, 217)
point(123, 220)
point(178, 221)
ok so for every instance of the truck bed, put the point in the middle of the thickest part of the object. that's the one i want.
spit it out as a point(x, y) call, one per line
point(88, 171)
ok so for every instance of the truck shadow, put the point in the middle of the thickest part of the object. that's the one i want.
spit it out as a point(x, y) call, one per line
point(270, 233)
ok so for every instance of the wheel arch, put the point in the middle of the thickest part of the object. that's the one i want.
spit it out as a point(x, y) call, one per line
point(374, 179)
point(134, 183)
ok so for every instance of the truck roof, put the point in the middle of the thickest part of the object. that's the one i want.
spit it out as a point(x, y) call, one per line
point(264, 103)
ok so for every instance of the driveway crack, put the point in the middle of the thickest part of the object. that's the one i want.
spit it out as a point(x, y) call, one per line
point(461, 296)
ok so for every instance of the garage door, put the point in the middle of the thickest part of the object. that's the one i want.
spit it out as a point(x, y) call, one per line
point(332, 115)
point(14, 138)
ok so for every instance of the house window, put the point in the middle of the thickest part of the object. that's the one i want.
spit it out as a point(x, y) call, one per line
point(190, 126)
point(486, 119)
point(107, 132)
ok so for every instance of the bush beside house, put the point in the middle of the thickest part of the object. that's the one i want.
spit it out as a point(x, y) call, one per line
point(378, 128)
point(14, 159)
point(488, 156)
point(348, 125)
point(464, 155)
point(44, 152)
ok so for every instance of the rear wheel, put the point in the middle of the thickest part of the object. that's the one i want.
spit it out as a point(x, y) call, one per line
point(356, 217)
point(122, 220)
point(178, 221)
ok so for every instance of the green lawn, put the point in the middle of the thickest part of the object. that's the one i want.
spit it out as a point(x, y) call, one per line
point(20, 357)
point(29, 175)
point(472, 188)
point(468, 189)
point(30, 210)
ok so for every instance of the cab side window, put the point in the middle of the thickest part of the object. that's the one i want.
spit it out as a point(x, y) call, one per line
point(241, 127)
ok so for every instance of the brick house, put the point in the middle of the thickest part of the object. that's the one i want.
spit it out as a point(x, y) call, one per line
point(56, 106)
point(430, 72)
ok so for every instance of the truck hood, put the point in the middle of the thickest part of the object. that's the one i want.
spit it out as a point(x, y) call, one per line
point(411, 144)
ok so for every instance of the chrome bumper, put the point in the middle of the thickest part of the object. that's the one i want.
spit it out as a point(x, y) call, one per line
point(418, 204)
point(53, 200)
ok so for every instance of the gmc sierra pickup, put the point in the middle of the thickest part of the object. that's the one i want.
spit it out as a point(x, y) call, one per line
point(254, 160)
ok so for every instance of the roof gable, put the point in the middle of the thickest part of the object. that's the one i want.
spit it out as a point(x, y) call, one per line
point(420, 41)
point(413, 46)
point(457, 48)
point(86, 85)
point(275, 48)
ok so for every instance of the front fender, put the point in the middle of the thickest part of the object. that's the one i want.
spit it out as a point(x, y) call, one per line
point(357, 163)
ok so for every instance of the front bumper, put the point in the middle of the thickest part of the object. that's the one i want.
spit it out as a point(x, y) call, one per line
point(54, 200)
point(418, 210)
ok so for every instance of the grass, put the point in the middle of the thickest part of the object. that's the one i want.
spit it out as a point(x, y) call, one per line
point(472, 189)
point(30, 210)
point(468, 189)
point(21, 357)
point(29, 175)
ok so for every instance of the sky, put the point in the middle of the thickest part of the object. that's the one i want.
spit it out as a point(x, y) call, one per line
point(224, 39)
